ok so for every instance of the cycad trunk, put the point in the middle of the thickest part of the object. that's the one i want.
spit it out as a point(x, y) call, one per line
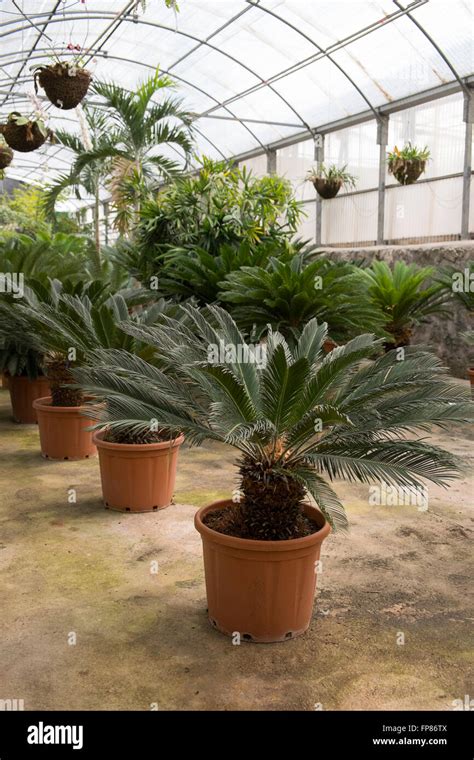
point(272, 505)
point(59, 374)
point(401, 337)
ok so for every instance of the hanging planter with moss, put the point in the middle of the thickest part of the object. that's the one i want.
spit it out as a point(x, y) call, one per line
point(328, 180)
point(65, 84)
point(24, 134)
point(408, 164)
point(6, 156)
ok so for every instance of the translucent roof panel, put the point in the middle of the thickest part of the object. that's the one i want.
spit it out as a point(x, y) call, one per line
point(256, 73)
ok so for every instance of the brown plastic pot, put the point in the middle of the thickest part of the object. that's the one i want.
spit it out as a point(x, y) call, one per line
point(263, 590)
point(62, 430)
point(137, 477)
point(23, 394)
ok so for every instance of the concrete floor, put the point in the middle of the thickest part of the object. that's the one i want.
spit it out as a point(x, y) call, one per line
point(142, 639)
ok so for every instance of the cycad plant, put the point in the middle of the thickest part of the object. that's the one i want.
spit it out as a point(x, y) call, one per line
point(294, 415)
point(198, 273)
point(20, 354)
point(459, 283)
point(406, 295)
point(57, 255)
point(287, 293)
point(62, 328)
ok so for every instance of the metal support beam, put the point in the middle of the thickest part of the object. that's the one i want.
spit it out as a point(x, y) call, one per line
point(271, 162)
point(382, 140)
point(468, 118)
point(319, 158)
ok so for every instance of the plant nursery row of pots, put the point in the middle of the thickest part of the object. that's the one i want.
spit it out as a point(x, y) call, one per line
point(311, 408)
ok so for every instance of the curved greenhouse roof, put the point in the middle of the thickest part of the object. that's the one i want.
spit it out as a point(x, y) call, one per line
point(257, 74)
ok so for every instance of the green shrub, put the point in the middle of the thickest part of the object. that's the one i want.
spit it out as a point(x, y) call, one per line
point(287, 294)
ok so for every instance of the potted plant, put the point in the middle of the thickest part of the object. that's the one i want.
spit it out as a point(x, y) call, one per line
point(406, 295)
point(64, 82)
point(23, 133)
point(6, 156)
point(328, 180)
point(287, 293)
point(63, 328)
point(22, 373)
point(469, 339)
point(298, 417)
point(407, 164)
point(137, 469)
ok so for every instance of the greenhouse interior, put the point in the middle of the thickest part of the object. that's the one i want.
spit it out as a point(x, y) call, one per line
point(237, 356)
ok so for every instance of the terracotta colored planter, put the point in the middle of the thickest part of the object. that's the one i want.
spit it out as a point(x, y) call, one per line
point(62, 430)
point(263, 590)
point(23, 394)
point(470, 373)
point(137, 477)
point(329, 345)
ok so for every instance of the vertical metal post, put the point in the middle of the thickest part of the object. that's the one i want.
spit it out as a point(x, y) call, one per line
point(271, 161)
point(106, 222)
point(382, 140)
point(468, 118)
point(319, 158)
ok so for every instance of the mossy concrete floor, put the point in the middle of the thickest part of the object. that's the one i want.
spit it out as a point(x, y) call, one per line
point(142, 638)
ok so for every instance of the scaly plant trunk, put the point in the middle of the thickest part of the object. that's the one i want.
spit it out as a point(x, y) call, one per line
point(401, 337)
point(58, 371)
point(272, 504)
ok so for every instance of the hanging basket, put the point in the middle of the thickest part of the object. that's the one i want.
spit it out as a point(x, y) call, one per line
point(23, 137)
point(6, 156)
point(65, 86)
point(407, 171)
point(327, 188)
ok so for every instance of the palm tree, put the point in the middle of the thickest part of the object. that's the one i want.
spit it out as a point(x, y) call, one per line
point(294, 418)
point(127, 131)
point(89, 178)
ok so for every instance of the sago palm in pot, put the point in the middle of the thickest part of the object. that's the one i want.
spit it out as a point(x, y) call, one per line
point(62, 328)
point(297, 418)
point(406, 295)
